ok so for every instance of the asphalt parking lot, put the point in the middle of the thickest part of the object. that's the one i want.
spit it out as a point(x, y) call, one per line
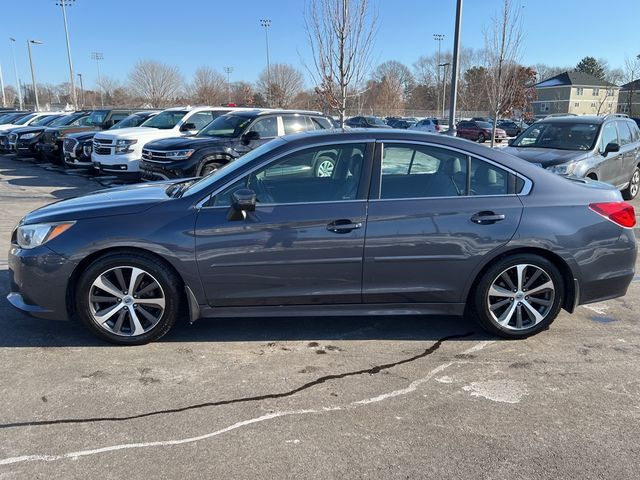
point(379, 397)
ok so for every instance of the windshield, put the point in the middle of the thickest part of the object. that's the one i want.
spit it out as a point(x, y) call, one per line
point(66, 120)
point(97, 117)
point(484, 125)
point(24, 120)
point(226, 126)
point(559, 135)
point(43, 120)
point(231, 167)
point(374, 121)
point(165, 120)
point(130, 121)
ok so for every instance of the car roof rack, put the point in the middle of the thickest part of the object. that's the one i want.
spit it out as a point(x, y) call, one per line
point(618, 115)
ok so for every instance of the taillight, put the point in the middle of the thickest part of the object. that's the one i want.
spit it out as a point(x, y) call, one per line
point(620, 213)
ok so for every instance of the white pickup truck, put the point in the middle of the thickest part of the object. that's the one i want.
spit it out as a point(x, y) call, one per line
point(118, 152)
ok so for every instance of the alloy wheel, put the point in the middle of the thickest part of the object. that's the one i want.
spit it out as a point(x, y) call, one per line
point(325, 168)
point(521, 297)
point(126, 301)
point(635, 183)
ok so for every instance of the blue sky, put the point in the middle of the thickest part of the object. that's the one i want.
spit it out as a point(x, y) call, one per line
point(217, 33)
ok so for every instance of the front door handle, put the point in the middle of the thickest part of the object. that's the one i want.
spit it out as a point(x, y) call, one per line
point(343, 226)
point(487, 218)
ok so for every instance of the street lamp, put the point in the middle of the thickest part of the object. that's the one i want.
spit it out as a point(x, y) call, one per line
point(444, 84)
point(454, 71)
point(97, 56)
point(4, 99)
point(228, 71)
point(266, 23)
point(81, 89)
point(33, 73)
point(15, 69)
point(438, 37)
point(63, 4)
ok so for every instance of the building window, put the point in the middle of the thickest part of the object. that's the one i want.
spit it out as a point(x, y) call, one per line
point(579, 91)
point(596, 92)
point(576, 104)
point(610, 92)
point(594, 105)
point(544, 107)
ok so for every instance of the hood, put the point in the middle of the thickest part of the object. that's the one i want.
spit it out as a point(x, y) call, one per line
point(545, 156)
point(181, 143)
point(136, 133)
point(82, 136)
point(23, 130)
point(62, 130)
point(117, 201)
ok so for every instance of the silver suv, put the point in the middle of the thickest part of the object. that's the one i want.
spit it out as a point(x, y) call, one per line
point(605, 148)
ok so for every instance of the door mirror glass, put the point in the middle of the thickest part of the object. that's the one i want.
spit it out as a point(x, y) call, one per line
point(242, 200)
point(611, 147)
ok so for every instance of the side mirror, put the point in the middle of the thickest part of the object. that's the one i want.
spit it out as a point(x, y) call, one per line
point(510, 142)
point(188, 126)
point(108, 124)
point(250, 136)
point(612, 147)
point(242, 201)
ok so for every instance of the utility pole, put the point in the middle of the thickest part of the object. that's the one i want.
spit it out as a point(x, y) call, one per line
point(4, 98)
point(15, 70)
point(97, 56)
point(64, 4)
point(266, 23)
point(454, 71)
point(33, 73)
point(81, 89)
point(444, 84)
point(228, 71)
point(438, 37)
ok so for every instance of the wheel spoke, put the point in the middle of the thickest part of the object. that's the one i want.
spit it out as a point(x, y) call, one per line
point(520, 269)
point(519, 316)
point(102, 299)
point(136, 326)
point(151, 301)
point(120, 278)
point(149, 288)
point(540, 301)
point(496, 291)
point(121, 316)
point(505, 318)
point(507, 279)
point(148, 315)
point(105, 314)
point(537, 316)
point(499, 304)
point(136, 275)
point(541, 288)
point(533, 278)
point(104, 284)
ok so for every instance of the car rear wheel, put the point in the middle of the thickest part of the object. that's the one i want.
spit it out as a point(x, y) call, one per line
point(128, 299)
point(632, 189)
point(209, 168)
point(481, 138)
point(518, 296)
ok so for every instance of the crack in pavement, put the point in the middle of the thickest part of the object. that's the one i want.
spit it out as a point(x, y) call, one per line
point(372, 371)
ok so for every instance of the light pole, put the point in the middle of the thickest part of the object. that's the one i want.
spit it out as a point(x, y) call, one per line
point(33, 73)
point(228, 71)
point(444, 84)
point(454, 71)
point(64, 4)
point(81, 89)
point(266, 23)
point(15, 69)
point(438, 37)
point(4, 99)
point(97, 56)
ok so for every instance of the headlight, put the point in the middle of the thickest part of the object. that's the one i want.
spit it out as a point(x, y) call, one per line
point(122, 146)
point(29, 136)
point(86, 149)
point(179, 154)
point(32, 236)
point(563, 168)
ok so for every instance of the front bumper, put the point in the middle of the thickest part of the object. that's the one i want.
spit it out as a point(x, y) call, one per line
point(168, 170)
point(38, 282)
point(124, 165)
point(26, 148)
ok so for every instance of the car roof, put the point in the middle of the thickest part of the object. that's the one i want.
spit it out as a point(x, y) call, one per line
point(256, 112)
point(583, 119)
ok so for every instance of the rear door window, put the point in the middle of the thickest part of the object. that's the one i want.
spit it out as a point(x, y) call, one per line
point(267, 127)
point(294, 124)
point(201, 119)
point(487, 179)
point(624, 134)
point(609, 135)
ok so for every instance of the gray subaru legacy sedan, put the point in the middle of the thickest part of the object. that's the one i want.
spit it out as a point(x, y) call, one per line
point(406, 222)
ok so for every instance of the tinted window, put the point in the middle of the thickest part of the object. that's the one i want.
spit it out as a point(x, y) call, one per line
point(165, 120)
point(226, 126)
point(267, 127)
point(609, 135)
point(298, 178)
point(200, 119)
point(294, 124)
point(487, 179)
point(635, 131)
point(559, 135)
point(624, 133)
point(117, 117)
point(319, 123)
point(97, 117)
point(416, 171)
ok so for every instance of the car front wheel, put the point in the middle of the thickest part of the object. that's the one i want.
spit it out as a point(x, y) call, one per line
point(632, 189)
point(518, 296)
point(128, 298)
point(481, 138)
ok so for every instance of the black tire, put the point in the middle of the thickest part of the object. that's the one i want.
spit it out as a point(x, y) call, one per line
point(324, 166)
point(479, 299)
point(632, 189)
point(169, 282)
point(481, 138)
point(209, 167)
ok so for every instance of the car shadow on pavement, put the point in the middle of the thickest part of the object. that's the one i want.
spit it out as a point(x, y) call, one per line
point(22, 331)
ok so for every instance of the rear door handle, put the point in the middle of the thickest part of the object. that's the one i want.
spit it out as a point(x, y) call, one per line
point(343, 226)
point(487, 218)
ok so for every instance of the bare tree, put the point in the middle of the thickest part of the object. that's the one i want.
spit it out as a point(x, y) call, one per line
point(209, 87)
point(11, 95)
point(544, 71)
point(341, 35)
point(631, 81)
point(286, 83)
point(158, 84)
point(502, 43)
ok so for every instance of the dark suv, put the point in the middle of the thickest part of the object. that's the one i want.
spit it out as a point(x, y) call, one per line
point(225, 139)
point(605, 148)
point(50, 144)
point(366, 122)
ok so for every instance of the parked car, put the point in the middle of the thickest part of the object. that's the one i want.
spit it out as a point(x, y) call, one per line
point(430, 125)
point(77, 147)
point(366, 122)
point(479, 131)
point(512, 128)
point(52, 139)
point(600, 148)
point(23, 121)
point(224, 140)
point(402, 123)
point(7, 146)
point(14, 119)
point(482, 119)
point(9, 117)
point(390, 120)
point(119, 152)
point(24, 140)
point(406, 223)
